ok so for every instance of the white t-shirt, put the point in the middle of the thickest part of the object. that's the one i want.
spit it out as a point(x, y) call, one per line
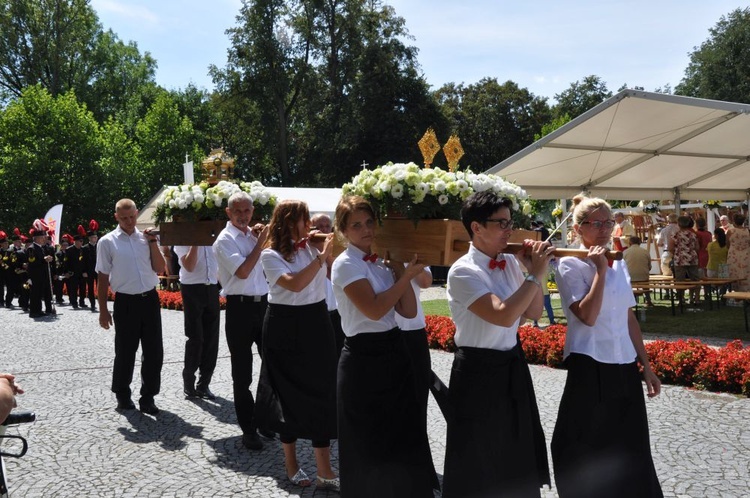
point(471, 278)
point(206, 268)
point(608, 341)
point(275, 266)
point(231, 248)
point(127, 261)
point(349, 267)
point(418, 322)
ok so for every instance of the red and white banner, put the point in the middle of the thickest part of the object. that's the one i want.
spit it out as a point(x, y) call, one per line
point(53, 218)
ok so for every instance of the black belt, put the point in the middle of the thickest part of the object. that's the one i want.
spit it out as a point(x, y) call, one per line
point(247, 299)
point(142, 294)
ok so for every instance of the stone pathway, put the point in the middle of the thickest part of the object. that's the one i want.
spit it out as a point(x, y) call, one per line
point(81, 447)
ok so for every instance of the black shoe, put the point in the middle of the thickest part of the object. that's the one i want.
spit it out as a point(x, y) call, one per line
point(36, 315)
point(50, 312)
point(148, 407)
point(190, 393)
point(93, 309)
point(83, 305)
point(59, 301)
point(251, 441)
point(205, 393)
point(125, 404)
point(267, 433)
point(75, 307)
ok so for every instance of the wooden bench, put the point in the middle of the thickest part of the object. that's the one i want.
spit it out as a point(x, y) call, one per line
point(745, 298)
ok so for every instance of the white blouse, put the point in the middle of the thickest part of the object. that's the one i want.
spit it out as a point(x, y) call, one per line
point(471, 278)
point(348, 268)
point(274, 266)
point(608, 341)
point(418, 322)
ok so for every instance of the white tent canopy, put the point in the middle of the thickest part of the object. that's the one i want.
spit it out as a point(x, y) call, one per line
point(641, 145)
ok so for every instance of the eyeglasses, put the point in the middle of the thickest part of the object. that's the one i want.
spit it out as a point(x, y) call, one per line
point(503, 223)
point(598, 225)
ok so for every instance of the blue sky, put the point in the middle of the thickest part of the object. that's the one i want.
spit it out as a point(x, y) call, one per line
point(542, 45)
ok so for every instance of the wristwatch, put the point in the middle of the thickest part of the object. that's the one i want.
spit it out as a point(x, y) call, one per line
point(533, 280)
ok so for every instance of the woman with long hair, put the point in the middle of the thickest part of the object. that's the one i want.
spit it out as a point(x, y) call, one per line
point(383, 445)
point(297, 386)
point(600, 445)
point(717, 255)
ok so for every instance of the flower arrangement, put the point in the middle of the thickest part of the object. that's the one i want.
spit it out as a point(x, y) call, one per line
point(201, 201)
point(712, 204)
point(419, 193)
point(557, 212)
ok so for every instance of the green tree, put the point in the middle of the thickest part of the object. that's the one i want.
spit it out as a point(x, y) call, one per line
point(60, 45)
point(50, 151)
point(164, 136)
point(720, 69)
point(581, 96)
point(493, 121)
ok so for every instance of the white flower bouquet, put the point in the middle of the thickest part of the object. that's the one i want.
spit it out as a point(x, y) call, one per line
point(203, 202)
point(418, 193)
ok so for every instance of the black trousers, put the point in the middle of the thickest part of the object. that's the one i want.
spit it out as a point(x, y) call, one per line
point(137, 320)
point(201, 311)
point(243, 327)
point(89, 286)
point(77, 290)
point(41, 290)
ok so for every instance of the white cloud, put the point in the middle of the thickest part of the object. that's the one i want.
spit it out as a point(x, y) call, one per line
point(134, 12)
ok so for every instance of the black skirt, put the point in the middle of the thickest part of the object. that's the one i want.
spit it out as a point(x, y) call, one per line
point(383, 446)
point(601, 446)
point(495, 445)
point(297, 385)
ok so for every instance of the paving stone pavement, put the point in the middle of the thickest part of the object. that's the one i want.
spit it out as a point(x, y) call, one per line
point(81, 447)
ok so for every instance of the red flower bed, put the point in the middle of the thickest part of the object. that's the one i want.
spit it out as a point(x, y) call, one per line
point(683, 362)
point(172, 300)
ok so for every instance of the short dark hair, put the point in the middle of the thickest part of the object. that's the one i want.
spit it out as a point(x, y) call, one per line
point(480, 206)
point(635, 240)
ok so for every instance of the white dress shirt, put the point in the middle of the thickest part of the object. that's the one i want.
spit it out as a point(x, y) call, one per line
point(608, 341)
point(274, 266)
point(127, 261)
point(348, 268)
point(206, 268)
point(471, 278)
point(418, 322)
point(231, 248)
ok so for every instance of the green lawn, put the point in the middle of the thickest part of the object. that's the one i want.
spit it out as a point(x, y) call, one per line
point(726, 323)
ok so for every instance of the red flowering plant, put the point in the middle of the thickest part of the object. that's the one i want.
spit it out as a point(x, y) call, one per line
point(675, 362)
point(683, 362)
point(440, 332)
point(726, 369)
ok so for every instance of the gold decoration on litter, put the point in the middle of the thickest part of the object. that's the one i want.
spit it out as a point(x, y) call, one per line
point(217, 166)
point(429, 146)
point(453, 152)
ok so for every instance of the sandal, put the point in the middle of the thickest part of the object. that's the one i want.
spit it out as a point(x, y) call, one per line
point(299, 478)
point(328, 484)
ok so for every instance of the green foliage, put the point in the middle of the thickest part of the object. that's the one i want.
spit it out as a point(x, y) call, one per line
point(548, 128)
point(581, 96)
point(164, 137)
point(494, 121)
point(720, 69)
point(50, 151)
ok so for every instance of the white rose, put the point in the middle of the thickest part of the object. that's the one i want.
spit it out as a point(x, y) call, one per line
point(397, 191)
point(443, 199)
